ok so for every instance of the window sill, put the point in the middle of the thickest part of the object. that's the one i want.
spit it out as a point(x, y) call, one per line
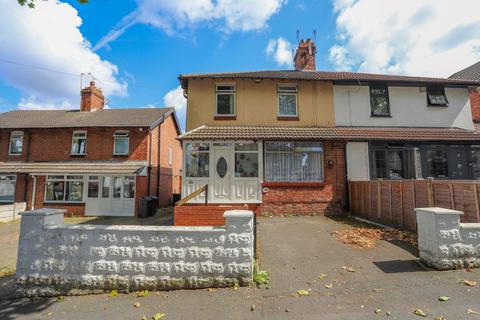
point(294, 184)
point(288, 118)
point(78, 154)
point(380, 116)
point(14, 154)
point(64, 202)
point(233, 117)
point(437, 105)
point(120, 154)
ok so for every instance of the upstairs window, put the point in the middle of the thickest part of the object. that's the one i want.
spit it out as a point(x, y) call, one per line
point(225, 100)
point(121, 141)
point(436, 96)
point(16, 143)
point(379, 102)
point(79, 143)
point(287, 100)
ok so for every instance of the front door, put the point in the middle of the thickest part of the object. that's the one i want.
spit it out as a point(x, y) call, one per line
point(222, 172)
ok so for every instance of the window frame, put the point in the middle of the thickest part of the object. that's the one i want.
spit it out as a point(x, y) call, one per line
point(186, 154)
point(117, 136)
point(14, 181)
point(235, 152)
point(65, 180)
point(322, 161)
point(372, 100)
point(442, 91)
point(12, 133)
point(287, 93)
point(225, 92)
point(73, 140)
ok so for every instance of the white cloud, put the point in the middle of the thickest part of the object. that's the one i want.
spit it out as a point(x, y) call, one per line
point(52, 53)
point(429, 37)
point(280, 50)
point(173, 15)
point(175, 98)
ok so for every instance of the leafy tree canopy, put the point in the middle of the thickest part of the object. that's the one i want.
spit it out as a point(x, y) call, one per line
point(31, 3)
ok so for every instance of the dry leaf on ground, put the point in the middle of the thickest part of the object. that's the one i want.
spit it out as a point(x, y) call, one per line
point(367, 237)
point(136, 304)
point(470, 311)
point(419, 312)
point(443, 298)
point(322, 276)
point(303, 292)
point(470, 283)
point(349, 269)
point(329, 286)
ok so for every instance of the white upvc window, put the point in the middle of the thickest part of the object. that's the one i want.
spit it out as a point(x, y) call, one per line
point(59, 188)
point(79, 143)
point(121, 142)
point(7, 188)
point(287, 100)
point(225, 99)
point(16, 143)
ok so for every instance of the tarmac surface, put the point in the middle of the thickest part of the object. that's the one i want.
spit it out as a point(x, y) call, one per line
point(388, 283)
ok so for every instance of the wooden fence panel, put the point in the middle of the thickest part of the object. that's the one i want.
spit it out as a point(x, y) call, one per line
point(368, 199)
point(397, 203)
point(442, 195)
point(374, 200)
point(465, 199)
point(408, 193)
point(421, 194)
point(386, 198)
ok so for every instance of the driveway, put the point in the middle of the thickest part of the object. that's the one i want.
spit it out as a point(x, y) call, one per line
point(296, 251)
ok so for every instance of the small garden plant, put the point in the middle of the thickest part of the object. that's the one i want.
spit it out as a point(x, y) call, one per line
point(260, 277)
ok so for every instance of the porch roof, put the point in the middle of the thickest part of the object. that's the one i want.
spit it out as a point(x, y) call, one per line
point(330, 133)
point(74, 167)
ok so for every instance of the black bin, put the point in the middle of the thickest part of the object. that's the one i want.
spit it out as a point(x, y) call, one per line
point(144, 206)
point(153, 206)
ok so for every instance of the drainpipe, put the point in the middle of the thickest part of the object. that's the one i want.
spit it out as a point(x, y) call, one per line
point(158, 157)
point(32, 206)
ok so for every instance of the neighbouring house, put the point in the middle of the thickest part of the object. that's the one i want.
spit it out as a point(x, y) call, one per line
point(92, 161)
point(287, 142)
point(472, 73)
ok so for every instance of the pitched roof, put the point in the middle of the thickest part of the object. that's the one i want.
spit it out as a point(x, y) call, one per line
point(333, 133)
point(336, 77)
point(469, 73)
point(75, 118)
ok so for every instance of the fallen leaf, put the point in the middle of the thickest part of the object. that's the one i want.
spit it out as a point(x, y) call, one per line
point(443, 298)
point(440, 318)
point(377, 311)
point(61, 298)
point(236, 286)
point(143, 293)
point(329, 286)
point(113, 293)
point(419, 312)
point(136, 304)
point(144, 317)
point(470, 283)
point(252, 308)
point(349, 269)
point(303, 292)
point(470, 311)
point(322, 276)
point(388, 313)
point(158, 316)
point(211, 289)
point(378, 290)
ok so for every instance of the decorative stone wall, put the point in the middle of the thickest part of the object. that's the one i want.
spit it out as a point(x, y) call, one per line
point(54, 258)
point(445, 243)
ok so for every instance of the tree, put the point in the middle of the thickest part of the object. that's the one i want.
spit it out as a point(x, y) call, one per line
point(31, 3)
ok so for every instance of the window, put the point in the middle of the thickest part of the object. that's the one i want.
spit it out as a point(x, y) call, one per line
point(379, 101)
point(121, 141)
point(106, 186)
point(437, 163)
point(117, 187)
point(225, 100)
point(7, 188)
point(64, 189)
point(129, 187)
point(394, 162)
point(293, 161)
point(287, 100)
point(475, 154)
point(436, 96)
point(197, 160)
point(93, 186)
point(16, 143)
point(246, 160)
point(79, 142)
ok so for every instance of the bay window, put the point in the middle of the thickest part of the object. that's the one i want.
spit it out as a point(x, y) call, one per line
point(225, 94)
point(246, 160)
point(293, 161)
point(64, 189)
point(7, 188)
point(16, 143)
point(287, 100)
point(197, 160)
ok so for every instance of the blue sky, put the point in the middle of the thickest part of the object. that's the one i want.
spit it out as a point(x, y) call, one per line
point(136, 49)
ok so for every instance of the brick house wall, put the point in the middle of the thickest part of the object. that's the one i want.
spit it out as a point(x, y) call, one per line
point(475, 105)
point(170, 173)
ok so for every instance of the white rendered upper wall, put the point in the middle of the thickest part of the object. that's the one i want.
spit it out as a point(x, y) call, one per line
point(408, 108)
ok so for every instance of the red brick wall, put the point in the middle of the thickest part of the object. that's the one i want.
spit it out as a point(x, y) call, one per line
point(201, 215)
point(55, 144)
point(285, 198)
point(169, 173)
point(475, 104)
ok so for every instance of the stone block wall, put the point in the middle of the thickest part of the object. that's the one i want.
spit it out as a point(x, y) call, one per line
point(56, 259)
point(445, 243)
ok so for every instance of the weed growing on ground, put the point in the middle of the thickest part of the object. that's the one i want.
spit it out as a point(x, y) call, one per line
point(260, 277)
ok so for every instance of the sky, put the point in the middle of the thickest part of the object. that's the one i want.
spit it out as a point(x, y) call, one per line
point(135, 49)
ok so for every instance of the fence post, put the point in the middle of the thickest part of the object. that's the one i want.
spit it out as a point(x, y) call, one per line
point(477, 209)
point(379, 200)
point(430, 198)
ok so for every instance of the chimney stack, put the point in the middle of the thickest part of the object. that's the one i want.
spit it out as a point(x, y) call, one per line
point(92, 98)
point(305, 56)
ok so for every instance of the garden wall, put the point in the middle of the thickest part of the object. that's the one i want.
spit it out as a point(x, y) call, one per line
point(57, 259)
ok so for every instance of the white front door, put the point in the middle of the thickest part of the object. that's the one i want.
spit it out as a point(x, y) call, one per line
point(222, 172)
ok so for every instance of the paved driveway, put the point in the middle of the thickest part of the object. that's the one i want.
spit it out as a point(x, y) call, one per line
point(295, 250)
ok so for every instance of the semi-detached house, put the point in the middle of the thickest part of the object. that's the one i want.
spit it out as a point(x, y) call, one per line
point(92, 161)
point(286, 142)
